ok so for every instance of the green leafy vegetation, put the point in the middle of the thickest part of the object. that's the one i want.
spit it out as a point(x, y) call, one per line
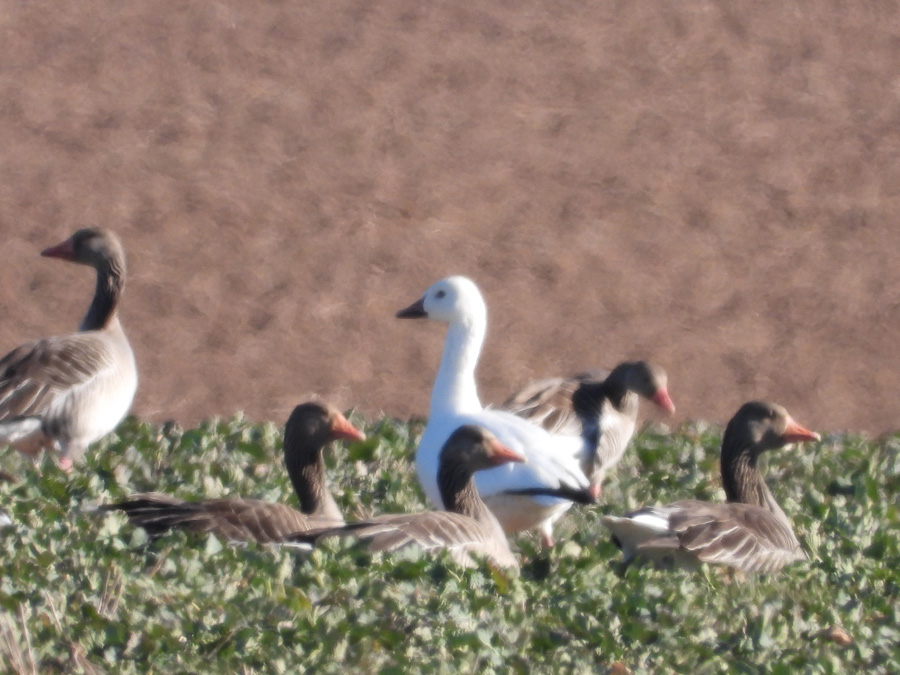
point(85, 593)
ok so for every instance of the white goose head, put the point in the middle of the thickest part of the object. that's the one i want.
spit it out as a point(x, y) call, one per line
point(458, 302)
point(452, 299)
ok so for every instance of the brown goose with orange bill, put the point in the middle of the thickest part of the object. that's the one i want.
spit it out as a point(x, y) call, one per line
point(236, 519)
point(750, 531)
point(467, 528)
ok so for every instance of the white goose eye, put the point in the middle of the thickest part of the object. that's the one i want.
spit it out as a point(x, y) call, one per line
point(440, 294)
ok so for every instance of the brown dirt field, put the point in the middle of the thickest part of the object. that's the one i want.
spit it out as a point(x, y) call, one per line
point(710, 184)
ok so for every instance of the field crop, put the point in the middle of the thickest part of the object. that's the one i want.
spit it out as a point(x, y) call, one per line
point(86, 593)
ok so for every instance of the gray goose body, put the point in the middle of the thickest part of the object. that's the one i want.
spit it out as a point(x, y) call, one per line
point(236, 519)
point(749, 532)
point(67, 392)
point(601, 406)
point(467, 529)
point(548, 402)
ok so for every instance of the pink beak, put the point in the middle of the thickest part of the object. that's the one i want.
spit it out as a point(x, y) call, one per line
point(501, 454)
point(661, 398)
point(65, 250)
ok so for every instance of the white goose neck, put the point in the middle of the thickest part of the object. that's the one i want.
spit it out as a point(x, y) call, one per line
point(455, 389)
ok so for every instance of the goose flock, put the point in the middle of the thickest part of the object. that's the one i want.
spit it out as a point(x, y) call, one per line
point(489, 472)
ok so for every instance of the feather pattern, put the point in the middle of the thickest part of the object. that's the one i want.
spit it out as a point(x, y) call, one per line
point(77, 387)
point(750, 531)
point(467, 529)
point(238, 519)
point(548, 402)
point(602, 406)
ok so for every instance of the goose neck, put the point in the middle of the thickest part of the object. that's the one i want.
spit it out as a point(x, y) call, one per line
point(455, 388)
point(306, 468)
point(742, 480)
point(458, 491)
point(110, 284)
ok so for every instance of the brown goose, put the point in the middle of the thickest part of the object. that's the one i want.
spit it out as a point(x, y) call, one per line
point(467, 528)
point(750, 531)
point(309, 428)
point(67, 392)
point(607, 412)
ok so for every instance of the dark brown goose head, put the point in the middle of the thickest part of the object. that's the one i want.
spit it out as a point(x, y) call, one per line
point(469, 449)
point(310, 427)
point(643, 378)
point(758, 426)
point(102, 250)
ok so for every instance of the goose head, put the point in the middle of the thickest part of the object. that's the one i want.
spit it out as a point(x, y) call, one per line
point(476, 448)
point(453, 300)
point(647, 380)
point(93, 246)
point(761, 425)
point(316, 424)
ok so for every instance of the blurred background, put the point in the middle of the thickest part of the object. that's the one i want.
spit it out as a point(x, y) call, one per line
point(712, 185)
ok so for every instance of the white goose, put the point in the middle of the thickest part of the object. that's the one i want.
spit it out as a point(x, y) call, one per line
point(67, 392)
point(521, 496)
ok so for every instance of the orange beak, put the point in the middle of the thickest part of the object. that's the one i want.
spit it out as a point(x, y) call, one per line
point(342, 429)
point(794, 433)
point(501, 454)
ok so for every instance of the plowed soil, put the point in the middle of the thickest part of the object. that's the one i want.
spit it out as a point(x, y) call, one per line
point(712, 185)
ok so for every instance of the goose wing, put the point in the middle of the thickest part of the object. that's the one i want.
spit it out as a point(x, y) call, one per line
point(745, 536)
point(462, 536)
point(35, 376)
point(236, 519)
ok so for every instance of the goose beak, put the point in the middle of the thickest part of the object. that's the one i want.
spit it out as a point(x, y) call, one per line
point(414, 311)
point(502, 454)
point(342, 429)
point(65, 250)
point(661, 398)
point(794, 433)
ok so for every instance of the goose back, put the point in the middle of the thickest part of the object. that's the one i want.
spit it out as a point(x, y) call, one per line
point(468, 529)
point(750, 531)
point(236, 519)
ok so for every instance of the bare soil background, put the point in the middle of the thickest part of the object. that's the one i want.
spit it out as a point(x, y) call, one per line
point(712, 185)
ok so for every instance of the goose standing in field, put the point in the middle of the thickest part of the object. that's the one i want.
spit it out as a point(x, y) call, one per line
point(750, 531)
point(67, 392)
point(602, 407)
point(521, 496)
point(466, 527)
point(310, 427)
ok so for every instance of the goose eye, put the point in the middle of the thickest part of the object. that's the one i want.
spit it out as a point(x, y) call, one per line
point(440, 294)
